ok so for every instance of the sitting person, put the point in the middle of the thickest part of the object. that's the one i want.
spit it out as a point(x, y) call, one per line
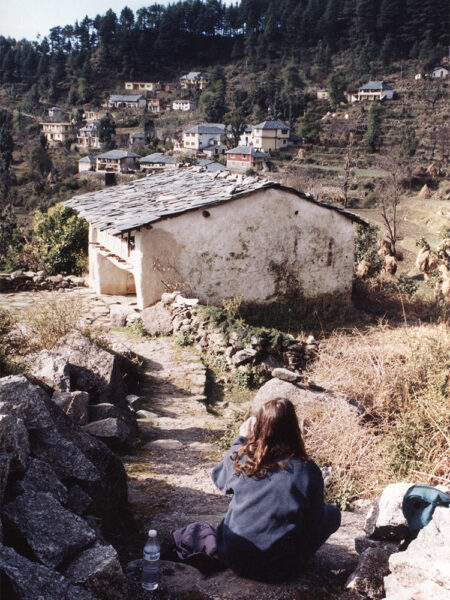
point(277, 518)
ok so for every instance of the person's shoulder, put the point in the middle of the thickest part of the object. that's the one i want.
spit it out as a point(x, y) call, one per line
point(307, 466)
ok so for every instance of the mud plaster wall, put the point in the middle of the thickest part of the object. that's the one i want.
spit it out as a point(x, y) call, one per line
point(271, 245)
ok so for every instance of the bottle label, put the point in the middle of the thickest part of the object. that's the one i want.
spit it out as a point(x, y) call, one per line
point(149, 555)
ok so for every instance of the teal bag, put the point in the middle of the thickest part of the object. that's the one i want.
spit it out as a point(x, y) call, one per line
point(419, 503)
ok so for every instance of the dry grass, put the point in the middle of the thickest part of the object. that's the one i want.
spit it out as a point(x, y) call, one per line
point(401, 376)
point(337, 438)
point(49, 319)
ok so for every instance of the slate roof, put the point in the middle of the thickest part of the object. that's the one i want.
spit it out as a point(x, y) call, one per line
point(87, 159)
point(211, 165)
point(157, 157)
point(194, 75)
point(247, 150)
point(271, 125)
point(90, 127)
point(118, 154)
point(206, 128)
point(125, 98)
point(376, 85)
point(138, 203)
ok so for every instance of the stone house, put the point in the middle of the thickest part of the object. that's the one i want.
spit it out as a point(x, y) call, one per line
point(242, 158)
point(117, 161)
point(137, 141)
point(87, 136)
point(217, 237)
point(375, 90)
point(143, 86)
point(93, 114)
point(322, 94)
point(155, 105)
point(439, 73)
point(204, 136)
point(130, 102)
point(194, 79)
point(56, 113)
point(183, 105)
point(57, 133)
point(269, 136)
point(158, 161)
point(87, 163)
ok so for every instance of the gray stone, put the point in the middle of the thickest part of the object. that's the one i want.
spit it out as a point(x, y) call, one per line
point(367, 578)
point(427, 558)
point(242, 357)
point(118, 315)
point(146, 430)
point(135, 402)
point(426, 590)
point(286, 375)
point(52, 532)
point(98, 570)
point(92, 368)
point(157, 320)
point(303, 396)
point(25, 401)
point(104, 410)
point(363, 543)
point(74, 404)
point(32, 581)
point(164, 445)
point(51, 369)
point(146, 414)
point(5, 459)
point(78, 501)
point(14, 442)
point(40, 477)
point(112, 431)
point(385, 519)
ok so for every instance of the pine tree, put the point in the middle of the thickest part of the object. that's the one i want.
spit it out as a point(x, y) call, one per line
point(373, 136)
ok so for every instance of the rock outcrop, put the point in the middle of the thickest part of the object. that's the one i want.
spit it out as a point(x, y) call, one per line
point(55, 482)
point(83, 376)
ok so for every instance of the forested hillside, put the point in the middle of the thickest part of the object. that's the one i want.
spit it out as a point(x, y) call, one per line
point(159, 41)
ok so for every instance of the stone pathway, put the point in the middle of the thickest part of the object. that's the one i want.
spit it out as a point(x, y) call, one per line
point(169, 472)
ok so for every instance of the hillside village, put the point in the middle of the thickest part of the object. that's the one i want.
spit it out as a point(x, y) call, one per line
point(204, 207)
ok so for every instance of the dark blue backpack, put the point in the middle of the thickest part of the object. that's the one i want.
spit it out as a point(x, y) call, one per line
point(419, 503)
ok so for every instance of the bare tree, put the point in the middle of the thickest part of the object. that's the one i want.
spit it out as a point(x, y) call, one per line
point(348, 168)
point(389, 196)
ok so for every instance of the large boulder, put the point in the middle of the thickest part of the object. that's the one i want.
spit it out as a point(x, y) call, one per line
point(40, 477)
point(75, 456)
point(25, 401)
point(74, 404)
point(114, 432)
point(427, 558)
point(98, 570)
point(105, 410)
point(303, 396)
point(92, 368)
point(51, 532)
point(426, 590)
point(157, 320)
point(28, 580)
point(53, 370)
point(14, 442)
point(385, 519)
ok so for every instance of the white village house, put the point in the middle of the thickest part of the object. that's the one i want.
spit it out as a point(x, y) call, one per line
point(205, 137)
point(216, 238)
point(375, 90)
point(183, 105)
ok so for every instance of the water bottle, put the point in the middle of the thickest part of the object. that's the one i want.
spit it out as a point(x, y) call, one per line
point(150, 564)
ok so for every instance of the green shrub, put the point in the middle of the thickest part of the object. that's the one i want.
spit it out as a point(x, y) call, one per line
point(61, 240)
point(185, 337)
point(6, 325)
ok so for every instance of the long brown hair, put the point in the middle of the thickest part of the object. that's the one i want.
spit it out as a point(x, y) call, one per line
point(276, 438)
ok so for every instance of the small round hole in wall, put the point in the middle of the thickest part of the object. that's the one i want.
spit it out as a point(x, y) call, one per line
point(296, 212)
point(206, 213)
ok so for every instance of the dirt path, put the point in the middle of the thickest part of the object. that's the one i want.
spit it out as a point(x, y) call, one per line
point(169, 477)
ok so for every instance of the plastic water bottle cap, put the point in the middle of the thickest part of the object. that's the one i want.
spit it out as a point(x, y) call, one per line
point(152, 533)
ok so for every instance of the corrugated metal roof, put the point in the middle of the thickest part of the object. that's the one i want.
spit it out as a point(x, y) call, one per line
point(131, 205)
